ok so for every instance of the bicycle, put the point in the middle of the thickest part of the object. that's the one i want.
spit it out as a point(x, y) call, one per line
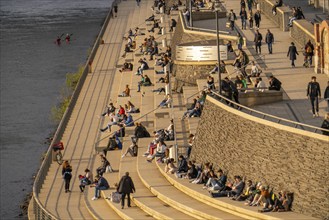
point(58, 147)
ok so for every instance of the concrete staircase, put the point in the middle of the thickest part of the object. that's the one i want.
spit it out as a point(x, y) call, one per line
point(158, 195)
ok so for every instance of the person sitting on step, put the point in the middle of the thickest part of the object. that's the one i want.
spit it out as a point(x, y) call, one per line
point(125, 93)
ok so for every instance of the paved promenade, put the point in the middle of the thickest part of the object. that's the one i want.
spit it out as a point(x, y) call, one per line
point(295, 106)
point(83, 127)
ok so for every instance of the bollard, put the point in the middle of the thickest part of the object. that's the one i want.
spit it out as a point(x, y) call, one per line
point(163, 31)
point(162, 20)
point(164, 42)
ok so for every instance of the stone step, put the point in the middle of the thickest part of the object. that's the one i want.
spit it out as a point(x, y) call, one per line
point(143, 198)
point(226, 204)
point(159, 186)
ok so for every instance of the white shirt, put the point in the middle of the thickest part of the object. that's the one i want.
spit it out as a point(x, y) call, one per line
point(161, 148)
point(261, 84)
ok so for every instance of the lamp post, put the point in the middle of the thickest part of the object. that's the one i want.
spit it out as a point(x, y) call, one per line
point(190, 7)
point(218, 50)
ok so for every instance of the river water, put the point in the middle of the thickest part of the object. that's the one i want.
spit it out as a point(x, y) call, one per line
point(33, 71)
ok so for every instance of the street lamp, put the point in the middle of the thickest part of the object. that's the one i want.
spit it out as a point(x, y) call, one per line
point(216, 8)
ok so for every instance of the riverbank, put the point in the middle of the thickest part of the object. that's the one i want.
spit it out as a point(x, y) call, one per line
point(33, 70)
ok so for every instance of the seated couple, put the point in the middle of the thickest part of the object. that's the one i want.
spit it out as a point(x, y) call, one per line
point(126, 67)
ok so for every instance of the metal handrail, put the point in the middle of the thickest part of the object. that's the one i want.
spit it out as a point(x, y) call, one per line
point(188, 98)
point(39, 209)
point(239, 69)
point(187, 26)
point(264, 115)
point(153, 110)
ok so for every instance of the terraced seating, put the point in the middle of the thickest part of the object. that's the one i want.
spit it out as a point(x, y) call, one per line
point(225, 204)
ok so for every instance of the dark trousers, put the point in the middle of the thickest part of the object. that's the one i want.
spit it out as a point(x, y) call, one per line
point(315, 104)
point(292, 62)
point(123, 199)
point(236, 97)
point(67, 184)
point(232, 25)
point(257, 22)
point(258, 48)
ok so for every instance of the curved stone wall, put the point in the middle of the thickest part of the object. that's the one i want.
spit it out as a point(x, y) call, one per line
point(284, 157)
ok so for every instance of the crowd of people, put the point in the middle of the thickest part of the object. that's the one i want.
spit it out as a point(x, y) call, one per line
point(216, 182)
point(238, 189)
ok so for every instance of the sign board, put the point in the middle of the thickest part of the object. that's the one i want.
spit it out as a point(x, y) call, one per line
point(200, 53)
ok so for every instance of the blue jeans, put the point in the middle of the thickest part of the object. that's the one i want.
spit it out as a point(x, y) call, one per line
point(269, 45)
point(99, 188)
point(244, 23)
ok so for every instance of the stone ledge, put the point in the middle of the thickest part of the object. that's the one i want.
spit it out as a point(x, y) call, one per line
point(282, 16)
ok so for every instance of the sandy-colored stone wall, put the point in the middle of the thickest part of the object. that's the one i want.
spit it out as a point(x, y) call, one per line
point(302, 31)
point(284, 157)
point(283, 13)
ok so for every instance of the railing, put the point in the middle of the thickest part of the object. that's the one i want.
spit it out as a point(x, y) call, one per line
point(40, 211)
point(269, 117)
point(111, 134)
point(222, 34)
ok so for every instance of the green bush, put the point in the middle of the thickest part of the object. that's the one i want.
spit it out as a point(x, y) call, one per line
point(72, 79)
point(71, 82)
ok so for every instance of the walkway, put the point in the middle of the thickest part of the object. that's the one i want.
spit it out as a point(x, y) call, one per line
point(295, 106)
point(82, 129)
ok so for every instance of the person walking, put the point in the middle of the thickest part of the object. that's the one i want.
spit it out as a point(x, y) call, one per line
point(258, 42)
point(67, 175)
point(269, 39)
point(231, 19)
point(314, 94)
point(257, 18)
point(292, 52)
point(251, 20)
point(125, 187)
point(326, 95)
point(115, 10)
point(309, 52)
point(240, 41)
point(249, 3)
point(243, 16)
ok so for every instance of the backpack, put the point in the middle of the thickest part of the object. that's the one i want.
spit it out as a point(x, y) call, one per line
point(67, 175)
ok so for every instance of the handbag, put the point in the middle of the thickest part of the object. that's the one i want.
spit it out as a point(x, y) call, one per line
point(228, 24)
point(115, 197)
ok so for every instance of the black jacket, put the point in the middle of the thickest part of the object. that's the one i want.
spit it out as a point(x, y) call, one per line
point(313, 89)
point(326, 93)
point(126, 185)
point(292, 52)
point(182, 166)
point(275, 84)
point(269, 38)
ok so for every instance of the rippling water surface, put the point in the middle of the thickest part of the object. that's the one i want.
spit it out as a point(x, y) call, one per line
point(32, 72)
